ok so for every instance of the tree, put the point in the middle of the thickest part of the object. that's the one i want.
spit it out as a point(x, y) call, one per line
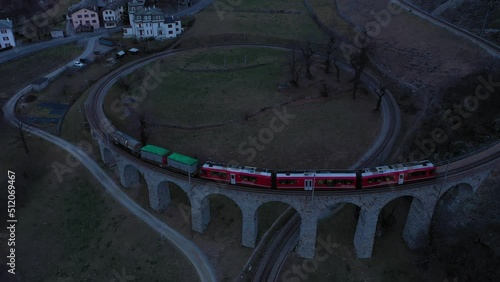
point(331, 50)
point(295, 69)
point(143, 125)
point(308, 53)
point(380, 93)
point(358, 62)
point(21, 138)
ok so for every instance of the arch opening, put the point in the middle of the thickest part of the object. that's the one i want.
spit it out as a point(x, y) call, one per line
point(178, 211)
point(134, 180)
point(267, 214)
point(107, 156)
point(226, 219)
point(389, 243)
point(446, 220)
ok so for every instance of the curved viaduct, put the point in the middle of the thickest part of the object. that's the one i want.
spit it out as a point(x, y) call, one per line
point(466, 174)
point(425, 196)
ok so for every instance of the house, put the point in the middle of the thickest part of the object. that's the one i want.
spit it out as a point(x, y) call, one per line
point(6, 35)
point(112, 13)
point(84, 15)
point(150, 22)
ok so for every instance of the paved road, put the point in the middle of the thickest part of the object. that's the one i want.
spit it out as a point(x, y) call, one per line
point(35, 47)
point(191, 251)
point(31, 48)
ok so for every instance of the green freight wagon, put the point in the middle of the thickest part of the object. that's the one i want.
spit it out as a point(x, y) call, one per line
point(184, 163)
point(155, 154)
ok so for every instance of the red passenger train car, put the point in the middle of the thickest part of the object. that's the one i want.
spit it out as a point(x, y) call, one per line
point(241, 175)
point(397, 174)
point(318, 180)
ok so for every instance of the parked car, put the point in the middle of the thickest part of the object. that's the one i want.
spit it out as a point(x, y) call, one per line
point(78, 64)
point(85, 61)
point(97, 52)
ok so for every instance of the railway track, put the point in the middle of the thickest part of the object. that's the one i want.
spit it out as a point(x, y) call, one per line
point(264, 272)
point(101, 126)
point(475, 38)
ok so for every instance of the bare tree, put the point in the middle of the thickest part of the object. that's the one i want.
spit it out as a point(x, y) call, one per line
point(308, 53)
point(331, 50)
point(295, 69)
point(324, 91)
point(21, 137)
point(144, 127)
point(358, 62)
point(380, 93)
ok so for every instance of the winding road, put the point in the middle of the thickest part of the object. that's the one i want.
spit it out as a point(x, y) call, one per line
point(200, 262)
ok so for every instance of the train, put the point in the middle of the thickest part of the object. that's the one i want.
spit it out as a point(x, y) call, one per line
point(381, 176)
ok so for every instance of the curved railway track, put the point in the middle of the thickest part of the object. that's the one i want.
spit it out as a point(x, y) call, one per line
point(456, 169)
point(471, 36)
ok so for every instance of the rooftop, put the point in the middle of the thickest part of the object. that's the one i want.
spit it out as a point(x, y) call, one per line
point(5, 24)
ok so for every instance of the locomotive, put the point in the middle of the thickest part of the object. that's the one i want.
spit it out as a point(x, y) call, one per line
point(380, 176)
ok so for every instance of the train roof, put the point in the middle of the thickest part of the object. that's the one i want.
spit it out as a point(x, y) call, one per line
point(155, 150)
point(396, 168)
point(317, 173)
point(238, 168)
point(182, 159)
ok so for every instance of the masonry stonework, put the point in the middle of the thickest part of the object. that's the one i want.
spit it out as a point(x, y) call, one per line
point(425, 196)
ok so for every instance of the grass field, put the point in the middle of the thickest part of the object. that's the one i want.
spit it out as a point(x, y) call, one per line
point(195, 99)
point(256, 18)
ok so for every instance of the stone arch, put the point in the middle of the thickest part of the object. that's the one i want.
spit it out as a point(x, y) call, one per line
point(401, 217)
point(268, 212)
point(130, 175)
point(337, 223)
point(166, 192)
point(107, 156)
point(449, 204)
point(454, 194)
point(217, 215)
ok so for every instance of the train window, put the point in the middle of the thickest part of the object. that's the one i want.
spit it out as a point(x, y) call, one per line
point(320, 182)
point(339, 182)
point(248, 178)
point(432, 171)
point(292, 182)
point(329, 182)
point(282, 181)
point(348, 182)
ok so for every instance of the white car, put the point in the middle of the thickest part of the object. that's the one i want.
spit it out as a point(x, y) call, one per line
point(78, 64)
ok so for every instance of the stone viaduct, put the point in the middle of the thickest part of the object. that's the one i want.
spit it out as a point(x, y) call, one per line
point(425, 196)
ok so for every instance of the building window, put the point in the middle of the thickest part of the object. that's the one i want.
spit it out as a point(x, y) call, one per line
point(177, 30)
point(87, 22)
point(170, 32)
point(4, 31)
point(7, 45)
point(93, 15)
point(169, 26)
point(6, 38)
point(94, 21)
point(79, 16)
point(86, 16)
